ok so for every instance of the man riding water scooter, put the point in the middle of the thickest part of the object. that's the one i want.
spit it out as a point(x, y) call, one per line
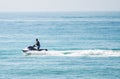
point(37, 44)
point(32, 48)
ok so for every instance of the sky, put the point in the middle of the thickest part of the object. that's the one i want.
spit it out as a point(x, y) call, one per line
point(58, 5)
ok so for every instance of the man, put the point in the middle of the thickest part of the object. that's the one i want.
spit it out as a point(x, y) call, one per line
point(37, 44)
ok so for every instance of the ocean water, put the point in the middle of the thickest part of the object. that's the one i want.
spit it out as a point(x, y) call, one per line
point(81, 45)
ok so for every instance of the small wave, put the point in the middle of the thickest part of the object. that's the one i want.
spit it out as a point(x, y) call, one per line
point(57, 20)
point(103, 53)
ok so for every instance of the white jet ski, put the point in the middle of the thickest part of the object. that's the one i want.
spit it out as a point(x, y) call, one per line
point(31, 50)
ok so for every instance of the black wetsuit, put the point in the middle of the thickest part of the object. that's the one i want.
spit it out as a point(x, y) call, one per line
point(38, 45)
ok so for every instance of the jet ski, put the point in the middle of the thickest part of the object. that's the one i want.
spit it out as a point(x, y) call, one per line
point(31, 50)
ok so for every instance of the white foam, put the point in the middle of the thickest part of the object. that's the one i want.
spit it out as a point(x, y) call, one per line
point(103, 53)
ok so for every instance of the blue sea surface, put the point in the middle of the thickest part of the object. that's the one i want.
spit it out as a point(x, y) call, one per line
point(88, 41)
